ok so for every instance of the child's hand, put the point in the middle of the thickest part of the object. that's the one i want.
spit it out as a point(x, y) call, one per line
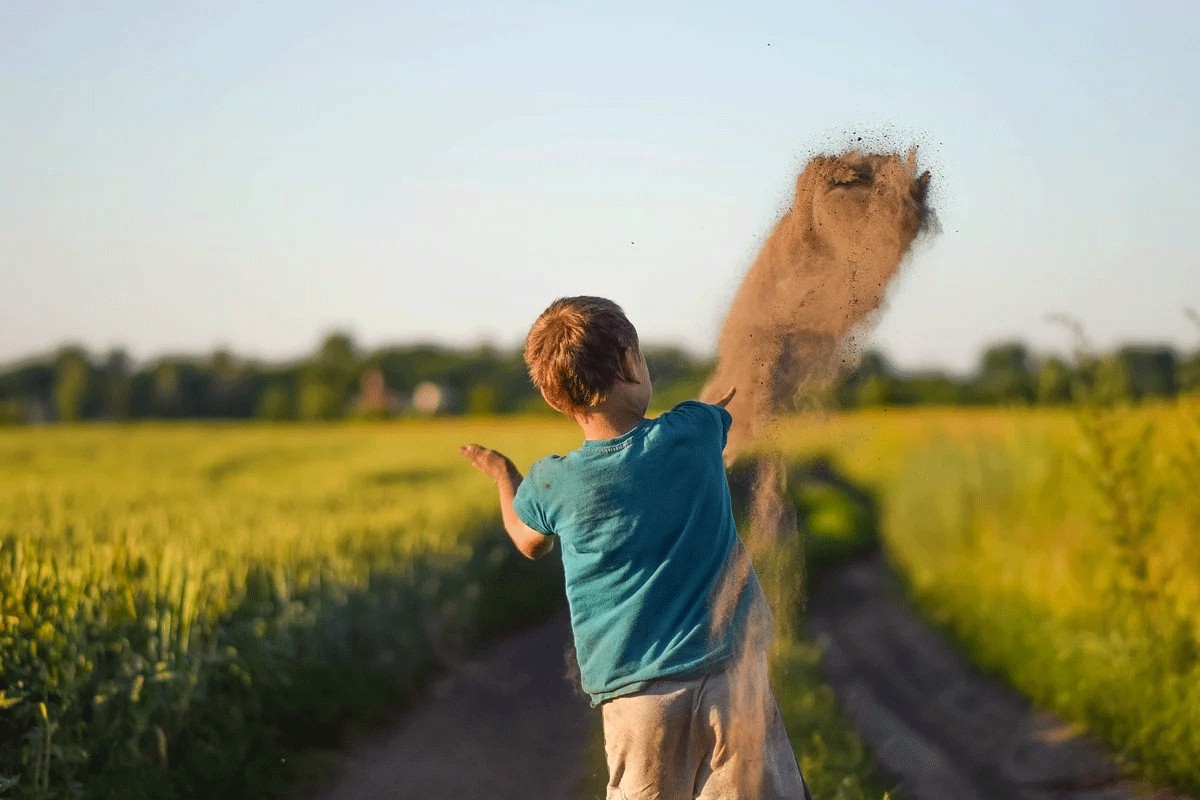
point(724, 401)
point(489, 462)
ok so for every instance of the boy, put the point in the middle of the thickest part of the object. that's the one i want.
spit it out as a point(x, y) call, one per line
point(669, 620)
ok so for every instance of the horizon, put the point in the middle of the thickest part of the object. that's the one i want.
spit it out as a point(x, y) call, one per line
point(365, 351)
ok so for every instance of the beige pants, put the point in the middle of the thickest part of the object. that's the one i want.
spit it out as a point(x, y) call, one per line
point(718, 737)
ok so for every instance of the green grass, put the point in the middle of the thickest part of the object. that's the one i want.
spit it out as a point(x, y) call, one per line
point(838, 520)
point(203, 610)
point(834, 761)
point(1060, 547)
point(185, 608)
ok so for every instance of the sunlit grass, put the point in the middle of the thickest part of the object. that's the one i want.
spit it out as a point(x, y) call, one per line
point(1006, 525)
point(185, 609)
point(179, 605)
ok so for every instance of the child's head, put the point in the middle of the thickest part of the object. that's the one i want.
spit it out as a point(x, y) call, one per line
point(582, 349)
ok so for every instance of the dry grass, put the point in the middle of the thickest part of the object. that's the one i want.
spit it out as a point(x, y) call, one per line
point(1060, 547)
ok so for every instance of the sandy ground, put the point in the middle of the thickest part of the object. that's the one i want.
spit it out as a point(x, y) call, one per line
point(945, 731)
point(510, 726)
point(505, 726)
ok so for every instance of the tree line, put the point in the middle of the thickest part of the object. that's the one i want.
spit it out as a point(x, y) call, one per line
point(340, 380)
point(1009, 373)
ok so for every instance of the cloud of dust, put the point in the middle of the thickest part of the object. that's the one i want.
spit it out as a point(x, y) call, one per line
point(792, 328)
point(819, 278)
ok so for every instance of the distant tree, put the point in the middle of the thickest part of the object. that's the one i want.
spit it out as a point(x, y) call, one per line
point(329, 379)
point(927, 388)
point(868, 384)
point(1005, 375)
point(1106, 378)
point(1054, 382)
point(669, 364)
point(874, 362)
point(275, 404)
point(1145, 371)
point(1188, 373)
point(232, 386)
point(223, 363)
point(487, 379)
point(514, 390)
point(222, 383)
point(319, 400)
point(405, 367)
point(12, 412)
point(71, 383)
point(117, 383)
point(676, 374)
point(167, 383)
point(142, 401)
point(31, 385)
point(875, 391)
point(337, 351)
point(481, 399)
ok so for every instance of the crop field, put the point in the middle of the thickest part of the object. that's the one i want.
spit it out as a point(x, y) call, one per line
point(191, 609)
point(184, 606)
point(1059, 546)
point(202, 610)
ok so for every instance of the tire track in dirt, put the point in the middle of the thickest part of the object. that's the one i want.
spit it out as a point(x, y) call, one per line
point(506, 726)
point(943, 729)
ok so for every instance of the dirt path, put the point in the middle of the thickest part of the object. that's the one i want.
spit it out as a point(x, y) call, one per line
point(510, 726)
point(505, 726)
point(947, 732)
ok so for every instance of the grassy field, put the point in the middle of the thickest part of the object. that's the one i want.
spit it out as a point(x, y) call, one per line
point(190, 609)
point(182, 608)
point(1062, 549)
point(197, 610)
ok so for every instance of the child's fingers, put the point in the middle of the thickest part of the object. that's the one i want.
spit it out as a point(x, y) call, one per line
point(471, 452)
point(724, 401)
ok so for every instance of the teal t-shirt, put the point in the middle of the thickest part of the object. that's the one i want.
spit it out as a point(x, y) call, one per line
point(648, 538)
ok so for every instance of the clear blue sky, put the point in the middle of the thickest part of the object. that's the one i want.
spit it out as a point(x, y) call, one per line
point(178, 176)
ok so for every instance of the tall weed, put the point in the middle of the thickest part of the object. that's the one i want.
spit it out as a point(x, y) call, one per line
point(1060, 547)
point(1119, 455)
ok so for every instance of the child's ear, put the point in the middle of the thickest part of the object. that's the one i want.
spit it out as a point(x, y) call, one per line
point(552, 404)
point(630, 357)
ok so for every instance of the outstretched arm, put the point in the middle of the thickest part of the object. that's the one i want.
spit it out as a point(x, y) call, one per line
point(498, 467)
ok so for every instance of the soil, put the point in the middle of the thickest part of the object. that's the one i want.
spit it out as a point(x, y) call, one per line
point(944, 730)
point(816, 285)
point(509, 725)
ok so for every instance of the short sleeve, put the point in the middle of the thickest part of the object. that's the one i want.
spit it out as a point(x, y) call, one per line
point(527, 507)
point(706, 416)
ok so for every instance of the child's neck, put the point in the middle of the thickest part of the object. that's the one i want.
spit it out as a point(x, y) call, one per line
point(608, 422)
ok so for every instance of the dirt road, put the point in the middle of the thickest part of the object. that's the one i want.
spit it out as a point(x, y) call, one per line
point(510, 726)
point(947, 732)
point(505, 726)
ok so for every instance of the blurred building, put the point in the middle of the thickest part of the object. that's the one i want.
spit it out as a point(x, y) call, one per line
point(374, 397)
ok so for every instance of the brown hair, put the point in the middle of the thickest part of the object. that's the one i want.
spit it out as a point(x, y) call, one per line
point(575, 350)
